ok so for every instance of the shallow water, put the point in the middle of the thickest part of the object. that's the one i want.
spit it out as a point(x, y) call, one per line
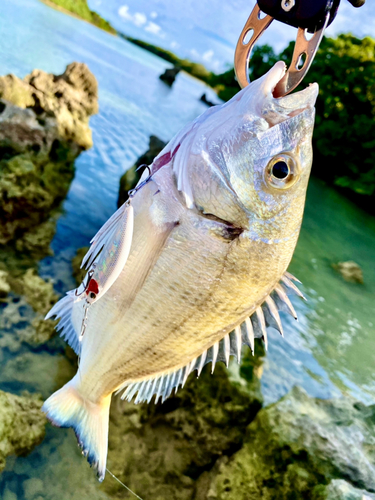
point(329, 351)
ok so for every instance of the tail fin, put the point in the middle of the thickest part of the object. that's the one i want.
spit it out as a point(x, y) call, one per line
point(67, 408)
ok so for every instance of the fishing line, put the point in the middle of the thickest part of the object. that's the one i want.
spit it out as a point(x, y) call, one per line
point(124, 485)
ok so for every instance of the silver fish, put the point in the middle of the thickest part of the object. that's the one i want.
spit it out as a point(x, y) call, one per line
point(215, 227)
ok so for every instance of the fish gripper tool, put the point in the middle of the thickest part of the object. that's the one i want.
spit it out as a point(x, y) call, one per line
point(308, 16)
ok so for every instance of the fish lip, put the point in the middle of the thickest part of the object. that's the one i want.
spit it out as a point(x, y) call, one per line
point(307, 96)
point(257, 98)
point(296, 103)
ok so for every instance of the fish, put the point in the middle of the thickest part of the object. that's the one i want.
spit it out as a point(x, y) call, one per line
point(217, 217)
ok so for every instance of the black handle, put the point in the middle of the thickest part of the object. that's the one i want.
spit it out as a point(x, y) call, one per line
point(305, 14)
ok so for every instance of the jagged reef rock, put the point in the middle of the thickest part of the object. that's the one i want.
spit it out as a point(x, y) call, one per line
point(169, 75)
point(22, 425)
point(296, 448)
point(43, 128)
point(131, 176)
point(23, 311)
point(161, 450)
point(339, 489)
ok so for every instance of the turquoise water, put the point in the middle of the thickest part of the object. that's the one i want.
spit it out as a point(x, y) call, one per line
point(329, 351)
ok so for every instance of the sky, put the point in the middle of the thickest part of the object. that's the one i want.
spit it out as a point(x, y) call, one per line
point(207, 31)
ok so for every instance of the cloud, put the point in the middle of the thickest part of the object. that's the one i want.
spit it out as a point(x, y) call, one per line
point(153, 28)
point(153, 15)
point(124, 12)
point(195, 53)
point(139, 19)
point(208, 55)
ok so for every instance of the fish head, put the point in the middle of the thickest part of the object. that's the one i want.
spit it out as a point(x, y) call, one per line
point(250, 159)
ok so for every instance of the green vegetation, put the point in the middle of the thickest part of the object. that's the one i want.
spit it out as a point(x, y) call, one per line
point(195, 69)
point(344, 138)
point(81, 9)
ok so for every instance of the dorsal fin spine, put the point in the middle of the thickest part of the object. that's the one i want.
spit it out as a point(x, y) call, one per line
point(215, 352)
point(262, 324)
point(202, 362)
point(238, 335)
point(250, 334)
point(272, 309)
point(227, 349)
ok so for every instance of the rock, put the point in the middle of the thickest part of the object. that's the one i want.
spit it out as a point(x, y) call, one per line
point(4, 285)
point(339, 489)
point(41, 371)
point(350, 271)
point(43, 128)
point(206, 101)
point(39, 294)
point(16, 91)
point(33, 487)
point(22, 425)
point(78, 273)
point(295, 446)
point(169, 75)
point(160, 450)
point(132, 176)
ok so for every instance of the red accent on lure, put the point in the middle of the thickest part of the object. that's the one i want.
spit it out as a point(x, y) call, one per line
point(93, 286)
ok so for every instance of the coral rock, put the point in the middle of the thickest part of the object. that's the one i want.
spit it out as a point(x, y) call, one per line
point(43, 128)
point(296, 446)
point(22, 425)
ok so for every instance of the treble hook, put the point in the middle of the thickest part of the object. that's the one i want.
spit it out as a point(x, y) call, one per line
point(304, 49)
point(132, 192)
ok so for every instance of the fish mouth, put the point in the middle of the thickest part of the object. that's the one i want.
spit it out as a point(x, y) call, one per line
point(260, 99)
point(290, 104)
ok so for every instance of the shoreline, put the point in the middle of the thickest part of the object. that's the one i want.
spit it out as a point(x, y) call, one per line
point(51, 4)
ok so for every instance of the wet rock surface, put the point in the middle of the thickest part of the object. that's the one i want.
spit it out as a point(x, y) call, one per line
point(29, 299)
point(22, 425)
point(43, 128)
point(296, 448)
point(339, 489)
point(132, 176)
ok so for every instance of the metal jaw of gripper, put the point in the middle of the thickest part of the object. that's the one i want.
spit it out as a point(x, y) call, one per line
point(303, 55)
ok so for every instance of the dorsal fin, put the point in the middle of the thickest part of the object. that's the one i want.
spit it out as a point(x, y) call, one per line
point(254, 327)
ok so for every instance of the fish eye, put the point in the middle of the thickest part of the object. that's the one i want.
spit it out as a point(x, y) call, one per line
point(92, 295)
point(282, 171)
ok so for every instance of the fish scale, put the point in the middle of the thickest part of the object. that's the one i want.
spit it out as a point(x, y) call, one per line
point(215, 227)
